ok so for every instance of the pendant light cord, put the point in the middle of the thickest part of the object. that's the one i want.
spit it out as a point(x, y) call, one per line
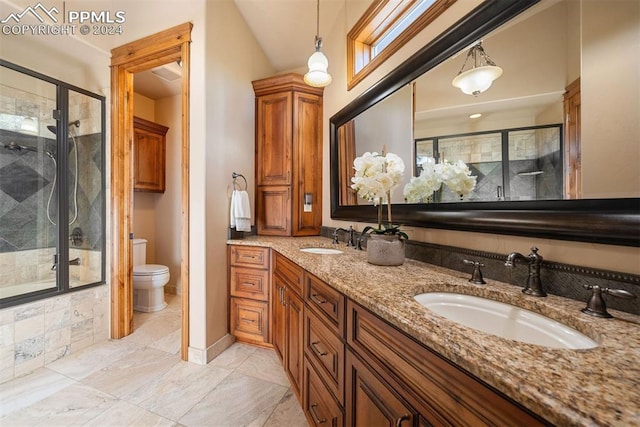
point(318, 40)
point(318, 18)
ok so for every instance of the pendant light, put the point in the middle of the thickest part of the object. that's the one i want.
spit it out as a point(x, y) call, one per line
point(317, 75)
point(480, 76)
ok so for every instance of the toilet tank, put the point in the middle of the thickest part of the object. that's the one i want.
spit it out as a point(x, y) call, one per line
point(139, 252)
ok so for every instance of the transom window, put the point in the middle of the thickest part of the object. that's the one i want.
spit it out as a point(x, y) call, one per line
point(385, 27)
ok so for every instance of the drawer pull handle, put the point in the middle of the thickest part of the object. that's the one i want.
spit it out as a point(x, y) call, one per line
point(315, 299)
point(248, 284)
point(401, 419)
point(316, 418)
point(315, 348)
point(244, 319)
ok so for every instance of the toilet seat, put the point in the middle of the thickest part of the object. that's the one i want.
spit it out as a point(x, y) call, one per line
point(150, 270)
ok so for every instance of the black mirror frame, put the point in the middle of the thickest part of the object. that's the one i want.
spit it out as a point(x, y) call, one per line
point(607, 221)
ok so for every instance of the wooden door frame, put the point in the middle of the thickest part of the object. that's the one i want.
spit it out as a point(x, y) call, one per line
point(161, 48)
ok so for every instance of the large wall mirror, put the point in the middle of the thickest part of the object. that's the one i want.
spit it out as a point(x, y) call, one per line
point(536, 174)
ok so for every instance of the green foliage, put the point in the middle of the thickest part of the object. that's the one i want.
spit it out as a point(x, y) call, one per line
point(390, 229)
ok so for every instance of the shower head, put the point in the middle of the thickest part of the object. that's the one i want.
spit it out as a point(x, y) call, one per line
point(54, 129)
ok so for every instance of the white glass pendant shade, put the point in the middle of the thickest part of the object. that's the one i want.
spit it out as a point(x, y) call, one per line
point(318, 75)
point(477, 80)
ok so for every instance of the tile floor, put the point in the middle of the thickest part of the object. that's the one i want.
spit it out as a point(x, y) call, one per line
point(141, 381)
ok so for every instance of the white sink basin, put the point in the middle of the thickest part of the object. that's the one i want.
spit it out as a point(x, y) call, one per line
point(321, 251)
point(504, 320)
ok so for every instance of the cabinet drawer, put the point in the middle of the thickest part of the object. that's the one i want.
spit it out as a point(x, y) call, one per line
point(318, 405)
point(442, 392)
point(250, 283)
point(249, 320)
point(290, 272)
point(327, 302)
point(249, 256)
point(326, 353)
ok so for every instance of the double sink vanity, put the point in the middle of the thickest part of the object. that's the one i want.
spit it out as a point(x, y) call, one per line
point(420, 345)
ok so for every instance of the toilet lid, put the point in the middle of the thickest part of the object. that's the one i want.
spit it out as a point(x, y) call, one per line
point(150, 270)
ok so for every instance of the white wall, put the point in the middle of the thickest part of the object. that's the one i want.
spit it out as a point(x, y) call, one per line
point(610, 134)
point(233, 59)
point(168, 224)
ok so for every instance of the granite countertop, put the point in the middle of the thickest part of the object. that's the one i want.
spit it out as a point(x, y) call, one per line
point(599, 386)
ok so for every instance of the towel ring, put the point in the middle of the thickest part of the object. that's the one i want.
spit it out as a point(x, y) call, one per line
point(237, 186)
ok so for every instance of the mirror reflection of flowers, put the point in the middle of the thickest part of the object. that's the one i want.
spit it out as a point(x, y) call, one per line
point(456, 176)
point(376, 176)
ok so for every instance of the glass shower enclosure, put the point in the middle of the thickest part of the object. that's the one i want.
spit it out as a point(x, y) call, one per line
point(52, 186)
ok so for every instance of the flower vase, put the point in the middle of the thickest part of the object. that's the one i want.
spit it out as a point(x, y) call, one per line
point(384, 249)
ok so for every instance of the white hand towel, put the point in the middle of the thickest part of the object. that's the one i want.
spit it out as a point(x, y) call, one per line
point(232, 210)
point(241, 210)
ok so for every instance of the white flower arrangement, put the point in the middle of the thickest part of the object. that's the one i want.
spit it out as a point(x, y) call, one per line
point(456, 176)
point(376, 176)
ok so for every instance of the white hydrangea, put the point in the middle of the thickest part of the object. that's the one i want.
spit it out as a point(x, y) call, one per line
point(377, 175)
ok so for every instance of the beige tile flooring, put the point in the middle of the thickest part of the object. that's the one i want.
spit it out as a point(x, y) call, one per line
point(141, 381)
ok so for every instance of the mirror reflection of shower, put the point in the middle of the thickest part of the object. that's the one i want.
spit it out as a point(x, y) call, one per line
point(53, 129)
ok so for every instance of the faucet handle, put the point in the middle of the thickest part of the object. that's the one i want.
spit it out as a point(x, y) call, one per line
point(596, 305)
point(476, 276)
point(350, 241)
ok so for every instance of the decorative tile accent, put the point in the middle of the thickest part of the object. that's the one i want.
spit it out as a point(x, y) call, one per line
point(20, 182)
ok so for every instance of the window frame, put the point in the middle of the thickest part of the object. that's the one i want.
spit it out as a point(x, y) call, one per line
point(376, 21)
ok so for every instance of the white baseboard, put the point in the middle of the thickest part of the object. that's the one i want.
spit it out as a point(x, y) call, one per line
point(204, 356)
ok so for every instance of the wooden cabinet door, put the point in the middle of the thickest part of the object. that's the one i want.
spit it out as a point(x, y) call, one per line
point(273, 139)
point(273, 210)
point(295, 341)
point(307, 164)
point(278, 319)
point(148, 156)
point(370, 402)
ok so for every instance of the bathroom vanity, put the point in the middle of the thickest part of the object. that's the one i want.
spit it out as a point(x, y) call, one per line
point(360, 350)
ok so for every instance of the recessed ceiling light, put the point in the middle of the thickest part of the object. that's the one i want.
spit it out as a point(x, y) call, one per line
point(475, 116)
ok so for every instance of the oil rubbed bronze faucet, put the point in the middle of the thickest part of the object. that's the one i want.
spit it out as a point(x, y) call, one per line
point(351, 231)
point(534, 285)
point(596, 305)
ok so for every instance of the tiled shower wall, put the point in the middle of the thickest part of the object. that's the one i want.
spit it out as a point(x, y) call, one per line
point(35, 265)
point(529, 150)
point(36, 334)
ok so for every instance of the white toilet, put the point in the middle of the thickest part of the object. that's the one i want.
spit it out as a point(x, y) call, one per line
point(148, 280)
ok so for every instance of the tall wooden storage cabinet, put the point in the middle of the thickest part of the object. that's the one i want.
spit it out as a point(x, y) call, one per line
point(288, 156)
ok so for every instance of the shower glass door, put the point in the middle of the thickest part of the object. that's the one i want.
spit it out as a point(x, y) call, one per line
point(52, 186)
point(84, 186)
point(28, 201)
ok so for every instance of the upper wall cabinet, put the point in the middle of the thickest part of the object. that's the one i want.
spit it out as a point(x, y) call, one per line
point(149, 140)
point(288, 156)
